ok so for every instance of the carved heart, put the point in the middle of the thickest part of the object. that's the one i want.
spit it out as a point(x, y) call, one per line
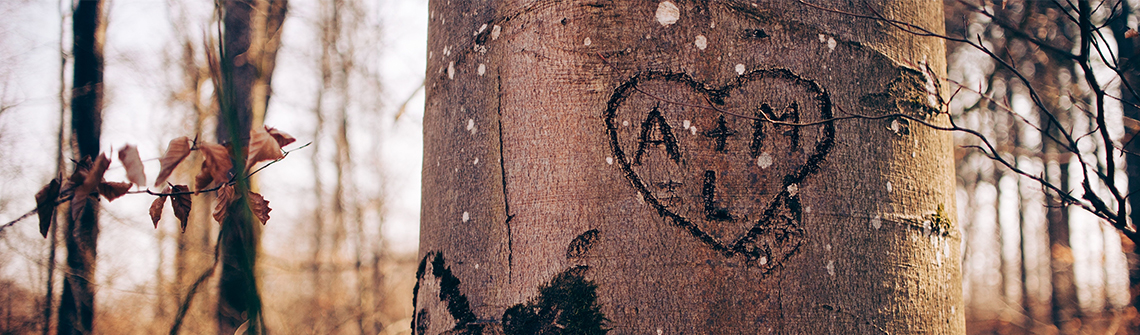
point(724, 174)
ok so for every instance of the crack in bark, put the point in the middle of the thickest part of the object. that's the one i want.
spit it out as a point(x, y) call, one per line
point(503, 178)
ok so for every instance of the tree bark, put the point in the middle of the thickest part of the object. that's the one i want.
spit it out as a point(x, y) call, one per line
point(77, 303)
point(617, 165)
point(1128, 58)
point(249, 44)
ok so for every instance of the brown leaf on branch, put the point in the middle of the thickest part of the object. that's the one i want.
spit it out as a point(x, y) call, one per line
point(180, 202)
point(156, 209)
point(80, 174)
point(216, 165)
point(225, 197)
point(113, 190)
point(89, 186)
point(1131, 128)
point(259, 206)
point(281, 137)
point(176, 151)
point(45, 205)
point(129, 156)
point(262, 147)
point(1131, 33)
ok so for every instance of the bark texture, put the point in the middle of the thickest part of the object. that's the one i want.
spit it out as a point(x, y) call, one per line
point(595, 166)
point(77, 303)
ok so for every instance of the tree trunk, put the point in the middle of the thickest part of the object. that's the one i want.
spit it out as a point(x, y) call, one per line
point(1130, 58)
point(619, 165)
point(252, 34)
point(77, 304)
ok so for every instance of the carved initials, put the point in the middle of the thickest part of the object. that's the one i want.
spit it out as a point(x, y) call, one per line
point(655, 131)
point(790, 114)
point(712, 212)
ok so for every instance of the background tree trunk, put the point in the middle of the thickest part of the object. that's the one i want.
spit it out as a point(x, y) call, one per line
point(250, 41)
point(594, 166)
point(77, 304)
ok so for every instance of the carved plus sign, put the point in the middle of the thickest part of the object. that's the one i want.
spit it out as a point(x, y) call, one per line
point(721, 132)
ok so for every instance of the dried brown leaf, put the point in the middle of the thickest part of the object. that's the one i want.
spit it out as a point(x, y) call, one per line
point(129, 156)
point(89, 186)
point(216, 164)
point(156, 209)
point(262, 147)
point(180, 202)
point(80, 174)
point(45, 205)
point(113, 190)
point(1131, 128)
point(176, 151)
point(225, 197)
point(259, 206)
point(281, 137)
point(1131, 33)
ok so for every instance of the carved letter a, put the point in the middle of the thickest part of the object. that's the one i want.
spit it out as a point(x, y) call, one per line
point(655, 131)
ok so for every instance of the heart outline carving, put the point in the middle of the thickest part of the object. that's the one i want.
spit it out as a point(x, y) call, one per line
point(776, 234)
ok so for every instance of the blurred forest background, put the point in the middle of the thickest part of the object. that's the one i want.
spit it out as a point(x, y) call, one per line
point(338, 255)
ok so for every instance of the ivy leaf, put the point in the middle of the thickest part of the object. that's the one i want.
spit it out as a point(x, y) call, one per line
point(45, 205)
point(259, 206)
point(90, 184)
point(129, 156)
point(262, 147)
point(181, 204)
point(113, 190)
point(281, 137)
point(216, 165)
point(225, 197)
point(156, 209)
point(176, 151)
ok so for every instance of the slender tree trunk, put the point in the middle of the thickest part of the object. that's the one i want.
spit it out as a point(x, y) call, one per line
point(77, 305)
point(1129, 56)
point(618, 165)
point(249, 44)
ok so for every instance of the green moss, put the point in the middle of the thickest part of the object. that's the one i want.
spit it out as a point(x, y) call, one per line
point(940, 221)
point(566, 305)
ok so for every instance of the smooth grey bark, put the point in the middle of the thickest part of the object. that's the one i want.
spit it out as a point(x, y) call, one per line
point(594, 166)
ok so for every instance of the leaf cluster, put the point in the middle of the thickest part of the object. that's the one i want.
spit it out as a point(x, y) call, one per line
point(216, 174)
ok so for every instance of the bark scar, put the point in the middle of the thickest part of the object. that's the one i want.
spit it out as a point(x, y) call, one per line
point(503, 178)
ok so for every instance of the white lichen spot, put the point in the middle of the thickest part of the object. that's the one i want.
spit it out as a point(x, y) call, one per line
point(495, 31)
point(431, 54)
point(476, 266)
point(763, 260)
point(793, 189)
point(807, 209)
point(625, 123)
point(451, 70)
point(587, 42)
point(764, 161)
point(466, 216)
point(447, 50)
point(877, 222)
point(610, 160)
point(712, 25)
point(926, 227)
point(740, 69)
point(686, 123)
point(831, 268)
point(482, 69)
point(822, 38)
point(476, 162)
point(831, 43)
point(913, 155)
point(667, 13)
point(701, 42)
point(827, 246)
point(471, 126)
point(481, 29)
point(889, 188)
point(693, 129)
point(895, 126)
